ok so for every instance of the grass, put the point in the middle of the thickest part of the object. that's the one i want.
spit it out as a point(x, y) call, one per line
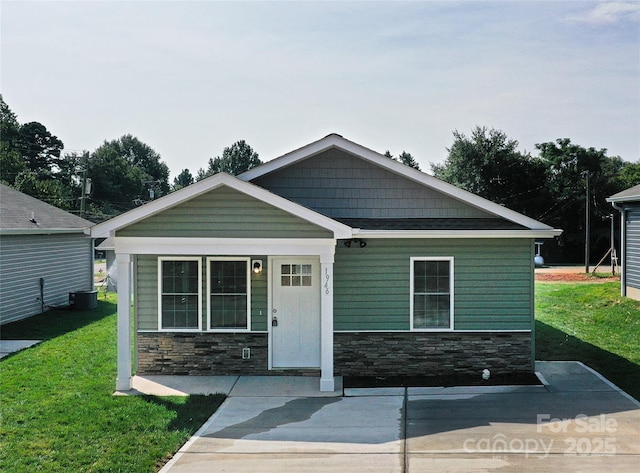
point(591, 323)
point(57, 410)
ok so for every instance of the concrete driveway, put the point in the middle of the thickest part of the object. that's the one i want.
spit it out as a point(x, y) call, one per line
point(576, 422)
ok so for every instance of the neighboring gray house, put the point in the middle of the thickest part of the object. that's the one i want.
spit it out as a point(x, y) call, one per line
point(111, 278)
point(45, 253)
point(330, 260)
point(628, 203)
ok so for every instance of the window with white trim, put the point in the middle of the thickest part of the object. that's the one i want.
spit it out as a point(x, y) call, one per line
point(229, 293)
point(432, 293)
point(179, 286)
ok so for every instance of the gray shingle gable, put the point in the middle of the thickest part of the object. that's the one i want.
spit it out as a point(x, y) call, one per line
point(16, 210)
point(339, 185)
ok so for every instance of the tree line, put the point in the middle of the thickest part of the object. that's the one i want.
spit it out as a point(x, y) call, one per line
point(550, 187)
point(123, 173)
point(117, 176)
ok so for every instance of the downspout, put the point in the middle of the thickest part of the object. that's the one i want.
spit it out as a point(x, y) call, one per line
point(623, 255)
point(42, 306)
point(92, 257)
point(533, 306)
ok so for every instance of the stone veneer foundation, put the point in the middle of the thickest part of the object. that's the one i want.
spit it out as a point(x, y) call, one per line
point(430, 354)
point(355, 354)
point(207, 354)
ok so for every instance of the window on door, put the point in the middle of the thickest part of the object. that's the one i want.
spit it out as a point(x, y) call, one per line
point(432, 293)
point(179, 293)
point(295, 275)
point(228, 282)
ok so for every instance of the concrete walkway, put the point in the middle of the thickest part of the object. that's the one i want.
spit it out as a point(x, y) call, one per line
point(577, 422)
point(8, 347)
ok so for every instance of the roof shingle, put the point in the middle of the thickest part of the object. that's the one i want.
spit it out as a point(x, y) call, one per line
point(17, 210)
point(632, 193)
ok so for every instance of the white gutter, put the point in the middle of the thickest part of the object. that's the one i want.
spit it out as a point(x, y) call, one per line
point(43, 231)
point(632, 198)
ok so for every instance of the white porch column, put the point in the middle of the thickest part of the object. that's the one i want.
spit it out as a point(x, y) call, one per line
point(622, 257)
point(326, 323)
point(123, 379)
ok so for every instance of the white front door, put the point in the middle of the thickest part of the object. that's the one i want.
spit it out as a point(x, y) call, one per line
point(295, 314)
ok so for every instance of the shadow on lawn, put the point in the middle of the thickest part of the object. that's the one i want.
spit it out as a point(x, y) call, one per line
point(190, 414)
point(55, 322)
point(555, 345)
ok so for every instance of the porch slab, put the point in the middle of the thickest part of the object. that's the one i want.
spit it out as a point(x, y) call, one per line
point(183, 385)
point(283, 386)
point(232, 386)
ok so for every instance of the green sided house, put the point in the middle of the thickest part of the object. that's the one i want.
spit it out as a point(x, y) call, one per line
point(332, 260)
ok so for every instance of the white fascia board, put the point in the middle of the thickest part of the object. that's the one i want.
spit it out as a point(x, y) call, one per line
point(622, 200)
point(398, 168)
point(457, 233)
point(107, 229)
point(224, 246)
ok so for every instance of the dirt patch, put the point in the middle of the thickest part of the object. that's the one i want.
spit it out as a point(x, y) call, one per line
point(574, 277)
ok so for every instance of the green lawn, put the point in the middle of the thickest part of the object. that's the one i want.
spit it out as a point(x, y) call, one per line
point(592, 323)
point(57, 409)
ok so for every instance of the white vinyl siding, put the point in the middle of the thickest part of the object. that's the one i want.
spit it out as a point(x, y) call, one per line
point(431, 302)
point(632, 248)
point(63, 262)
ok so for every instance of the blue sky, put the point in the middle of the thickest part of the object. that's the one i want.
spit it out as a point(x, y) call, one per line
point(189, 78)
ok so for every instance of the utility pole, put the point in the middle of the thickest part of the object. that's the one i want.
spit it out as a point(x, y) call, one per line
point(587, 227)
point(83, 187)
point(613, 248)
point(86, 185)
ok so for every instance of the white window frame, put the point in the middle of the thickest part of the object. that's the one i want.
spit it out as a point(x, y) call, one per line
point(450, 259)
point(161, 259)
point(210, 328)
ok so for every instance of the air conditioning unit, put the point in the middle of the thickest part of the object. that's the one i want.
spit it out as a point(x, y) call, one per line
point(83, 300)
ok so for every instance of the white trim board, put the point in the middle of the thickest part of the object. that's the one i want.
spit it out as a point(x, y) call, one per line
point(224, 246)
point(43, 231)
